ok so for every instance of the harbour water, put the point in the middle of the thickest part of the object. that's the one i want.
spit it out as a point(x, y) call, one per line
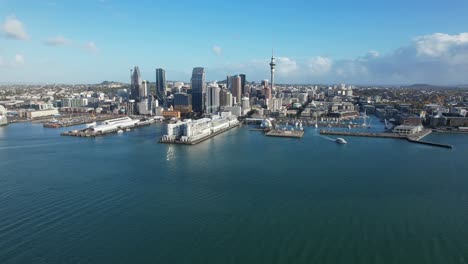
point(240, 197)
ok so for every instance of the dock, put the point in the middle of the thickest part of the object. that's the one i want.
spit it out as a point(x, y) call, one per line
point(285, 133)
point(74, 121)
point(416, 138)
point(87, 132)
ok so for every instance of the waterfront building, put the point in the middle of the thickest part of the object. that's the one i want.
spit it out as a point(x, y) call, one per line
point(161, 86)
point(171, 114)
point(193, 130)
point(212, 99)
point(135, 84)
point(31, 114)
point(3, 117)
point(408, 129)
point(198, 90)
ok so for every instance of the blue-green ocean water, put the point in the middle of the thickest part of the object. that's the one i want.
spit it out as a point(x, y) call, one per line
point(240, 197)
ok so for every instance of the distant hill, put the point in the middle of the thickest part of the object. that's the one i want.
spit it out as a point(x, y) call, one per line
point(429, 87)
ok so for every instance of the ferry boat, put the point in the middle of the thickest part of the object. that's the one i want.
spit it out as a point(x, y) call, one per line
point(341, 141)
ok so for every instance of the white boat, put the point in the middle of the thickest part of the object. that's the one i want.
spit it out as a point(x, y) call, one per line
point(120, 131)
point(128, 129)
point(341, 141)
point(91, 125)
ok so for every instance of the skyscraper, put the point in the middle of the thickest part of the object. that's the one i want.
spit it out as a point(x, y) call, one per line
point(198, 89)
point(161, 86)
point(212, 99)
point(144, 89)
point(236, 88)
point(272, 69)
point(243, 87)
point(225, 98)
point(135, 84)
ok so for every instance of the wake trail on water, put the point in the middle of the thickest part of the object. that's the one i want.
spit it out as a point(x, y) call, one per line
point(327, 138)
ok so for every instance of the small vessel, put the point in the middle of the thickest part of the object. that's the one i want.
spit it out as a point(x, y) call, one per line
point(120, 131)
point(341, 141)
point(91, 125)
point(128, 129)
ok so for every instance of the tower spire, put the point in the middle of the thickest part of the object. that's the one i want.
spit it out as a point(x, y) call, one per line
point(272, 69)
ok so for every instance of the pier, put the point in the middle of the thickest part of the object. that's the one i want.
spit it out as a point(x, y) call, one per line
point(416, 138)
point(285, 133)
point(93, 132)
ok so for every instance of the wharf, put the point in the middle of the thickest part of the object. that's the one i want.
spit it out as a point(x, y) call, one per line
point(66, 122)
point(194, 142)
point(363, 134)
point(285, 133)
point(88, 133)
point(410, 138)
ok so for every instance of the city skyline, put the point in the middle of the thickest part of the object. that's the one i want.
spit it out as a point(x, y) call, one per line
point(333, 42)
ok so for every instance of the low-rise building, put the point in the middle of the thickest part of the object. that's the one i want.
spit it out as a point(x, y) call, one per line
point(408, 129)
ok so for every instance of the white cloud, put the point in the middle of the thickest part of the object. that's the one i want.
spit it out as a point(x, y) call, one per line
point(435, 59)
point(217, 50)
point(319, 65)
point(286, 65)
point(439, 44)
point(19, 59)
point(13, 28)
point(91, 47)
point(57, 41)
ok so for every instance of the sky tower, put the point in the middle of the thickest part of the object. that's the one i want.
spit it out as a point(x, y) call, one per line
point(272, 68)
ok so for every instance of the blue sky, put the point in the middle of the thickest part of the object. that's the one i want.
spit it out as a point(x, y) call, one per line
point(372, 42)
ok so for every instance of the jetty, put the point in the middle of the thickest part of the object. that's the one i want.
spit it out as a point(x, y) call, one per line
point(414, 138)
point(285, 133)
point(109, 127)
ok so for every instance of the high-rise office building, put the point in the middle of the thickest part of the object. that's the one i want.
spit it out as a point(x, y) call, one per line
point(212, 99)
point(144, 89)
point(161, 86)
point(243, 86)
point(183, 102)
point(267, 92)
point(198, 90)
point(135, 84)
point(236, 87)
